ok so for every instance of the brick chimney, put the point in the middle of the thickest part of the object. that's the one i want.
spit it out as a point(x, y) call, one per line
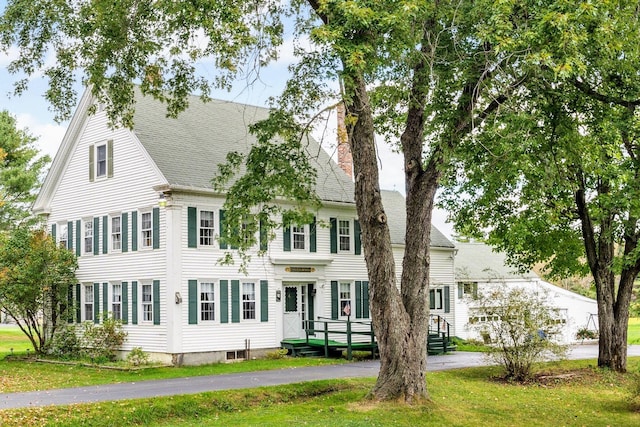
point(345, 159)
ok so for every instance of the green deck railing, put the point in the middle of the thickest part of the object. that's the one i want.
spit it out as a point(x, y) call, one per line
point(341, 327)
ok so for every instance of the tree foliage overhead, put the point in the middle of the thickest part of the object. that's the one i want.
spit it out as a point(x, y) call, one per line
point(35, 276)
point(21, 171)
point(555, 177)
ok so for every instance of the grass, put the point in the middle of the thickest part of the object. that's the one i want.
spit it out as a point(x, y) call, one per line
point(466, 397)
point(16, 376)
point(633, 332)
point(574, 393)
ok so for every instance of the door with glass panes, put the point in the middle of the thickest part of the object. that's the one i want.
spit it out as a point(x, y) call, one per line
point(297, 305)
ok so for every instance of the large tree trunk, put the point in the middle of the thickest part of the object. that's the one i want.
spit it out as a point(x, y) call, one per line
point(613, 319)
point(613, 307)
point(400, 319)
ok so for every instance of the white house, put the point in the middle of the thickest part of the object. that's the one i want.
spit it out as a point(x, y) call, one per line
point(138, 209)
point(478, 267)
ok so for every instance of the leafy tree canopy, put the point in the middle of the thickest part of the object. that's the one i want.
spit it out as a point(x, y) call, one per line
point(21, 171)
point(35, 276)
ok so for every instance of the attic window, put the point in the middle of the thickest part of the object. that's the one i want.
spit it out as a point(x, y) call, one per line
point(101, 160)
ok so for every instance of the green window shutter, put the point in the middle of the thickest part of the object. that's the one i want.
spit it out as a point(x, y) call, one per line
point(105, 234)
point(312, 236)
point(91, 163)
point(110, 158)
point(156, 302)
point(223, 244)
point(224, 301)
point(356, 237)
point(264, 238)
point(53, 232)
point(125, 302)
point(365, 300)
point(358, 299)
point(70, 235)
point(70, 310)
point(333, 234)
point(78, 238)
point(432, 299)
point(134, 302)
point(96, 236)
point(475, 291)
point(156, 228)
point(105, 298)
point(192, 227)
point(447, 299)
point(134, 231)
point(77, 306)
point(334, 299)
point(193, 302)
point(125, 232)
point(286, 239)
point(235, 301)
point(96, 303)
point(460, 290)
point(264, 301)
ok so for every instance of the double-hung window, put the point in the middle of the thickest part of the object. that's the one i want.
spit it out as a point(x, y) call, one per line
point(116, 301)
point(248, 301)
point(146, 229)
point(64, 235)
point(147, 303)
point(435, 299)
point(206, 228)
point(299, 237)
point(207, 301)
point(345, 298)
point(116, 233)
point(88, 302)
point(88, 236)
point(344, 235)
point(101, 160)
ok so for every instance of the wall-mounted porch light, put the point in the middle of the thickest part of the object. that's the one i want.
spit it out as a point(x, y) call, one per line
point(162, 200)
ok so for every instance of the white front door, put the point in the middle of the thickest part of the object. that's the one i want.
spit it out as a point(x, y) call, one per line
point(295, 310)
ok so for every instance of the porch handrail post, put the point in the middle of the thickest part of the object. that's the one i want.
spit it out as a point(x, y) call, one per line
point(348, 337)
point(326, 338)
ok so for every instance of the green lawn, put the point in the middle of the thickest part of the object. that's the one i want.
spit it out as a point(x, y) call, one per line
point(633, 332)
point(578, 395)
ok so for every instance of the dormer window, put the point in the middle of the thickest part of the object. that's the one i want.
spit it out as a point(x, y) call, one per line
point(101, 160)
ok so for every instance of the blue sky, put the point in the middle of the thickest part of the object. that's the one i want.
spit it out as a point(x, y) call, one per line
point(32, 111)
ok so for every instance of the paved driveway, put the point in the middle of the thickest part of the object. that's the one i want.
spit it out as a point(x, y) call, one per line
point(190, 385)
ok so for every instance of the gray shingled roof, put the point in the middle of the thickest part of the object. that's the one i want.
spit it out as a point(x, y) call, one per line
point(187, 150)
point(394, 205)
point(478, 262)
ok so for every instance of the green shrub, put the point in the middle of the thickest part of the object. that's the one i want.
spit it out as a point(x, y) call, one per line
point(100, 341)
point(137, 357)
point(523, 327)
point(65, 343)
point(277, 354)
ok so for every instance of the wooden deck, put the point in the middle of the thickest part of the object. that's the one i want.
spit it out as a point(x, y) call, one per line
point(328, 348)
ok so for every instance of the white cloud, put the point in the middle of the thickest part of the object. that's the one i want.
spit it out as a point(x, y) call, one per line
point(49, 135)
